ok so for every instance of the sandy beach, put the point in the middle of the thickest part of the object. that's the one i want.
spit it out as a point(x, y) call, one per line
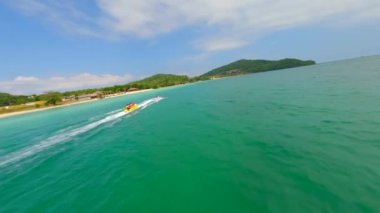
point(71, 104)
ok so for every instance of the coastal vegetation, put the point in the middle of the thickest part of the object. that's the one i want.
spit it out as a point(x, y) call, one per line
point(52, 98)
point(152, 82)
point(11, 103)
point(8, 99)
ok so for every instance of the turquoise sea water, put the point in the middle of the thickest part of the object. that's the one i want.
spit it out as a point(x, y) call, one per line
point(295, 140)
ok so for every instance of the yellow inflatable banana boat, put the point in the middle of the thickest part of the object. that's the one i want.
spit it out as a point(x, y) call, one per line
point(131, 107)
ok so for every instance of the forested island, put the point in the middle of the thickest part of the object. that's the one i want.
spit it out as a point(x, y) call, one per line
point(11, 103)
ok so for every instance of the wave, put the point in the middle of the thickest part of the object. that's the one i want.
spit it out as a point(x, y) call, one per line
point(65, 136)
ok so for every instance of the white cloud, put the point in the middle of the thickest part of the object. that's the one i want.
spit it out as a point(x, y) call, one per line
point(218, 44)
point(223, 24)
point(31, 84)
point(25, 78)
point(229, 24)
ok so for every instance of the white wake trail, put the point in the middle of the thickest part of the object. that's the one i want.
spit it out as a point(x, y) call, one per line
point(146, 103)
point(114, 111)
point(67, 135)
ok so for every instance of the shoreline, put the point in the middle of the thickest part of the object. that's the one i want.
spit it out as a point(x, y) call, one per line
point(6, 115)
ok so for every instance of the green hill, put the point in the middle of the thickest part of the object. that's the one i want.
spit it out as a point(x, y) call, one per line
point(159, 80)
point(245, 66)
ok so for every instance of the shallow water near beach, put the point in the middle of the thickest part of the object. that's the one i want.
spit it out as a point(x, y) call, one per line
point(296, 140)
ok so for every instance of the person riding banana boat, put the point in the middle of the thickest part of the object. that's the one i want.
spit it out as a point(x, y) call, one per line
point(130, 107)
point(133, 106)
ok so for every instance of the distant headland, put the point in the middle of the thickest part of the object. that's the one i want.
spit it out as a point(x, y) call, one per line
point(245, 66)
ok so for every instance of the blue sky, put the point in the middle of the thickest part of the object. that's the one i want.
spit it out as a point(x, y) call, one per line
point(65, 45)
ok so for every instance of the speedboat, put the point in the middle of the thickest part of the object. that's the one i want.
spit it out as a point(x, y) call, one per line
point(130, 107)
